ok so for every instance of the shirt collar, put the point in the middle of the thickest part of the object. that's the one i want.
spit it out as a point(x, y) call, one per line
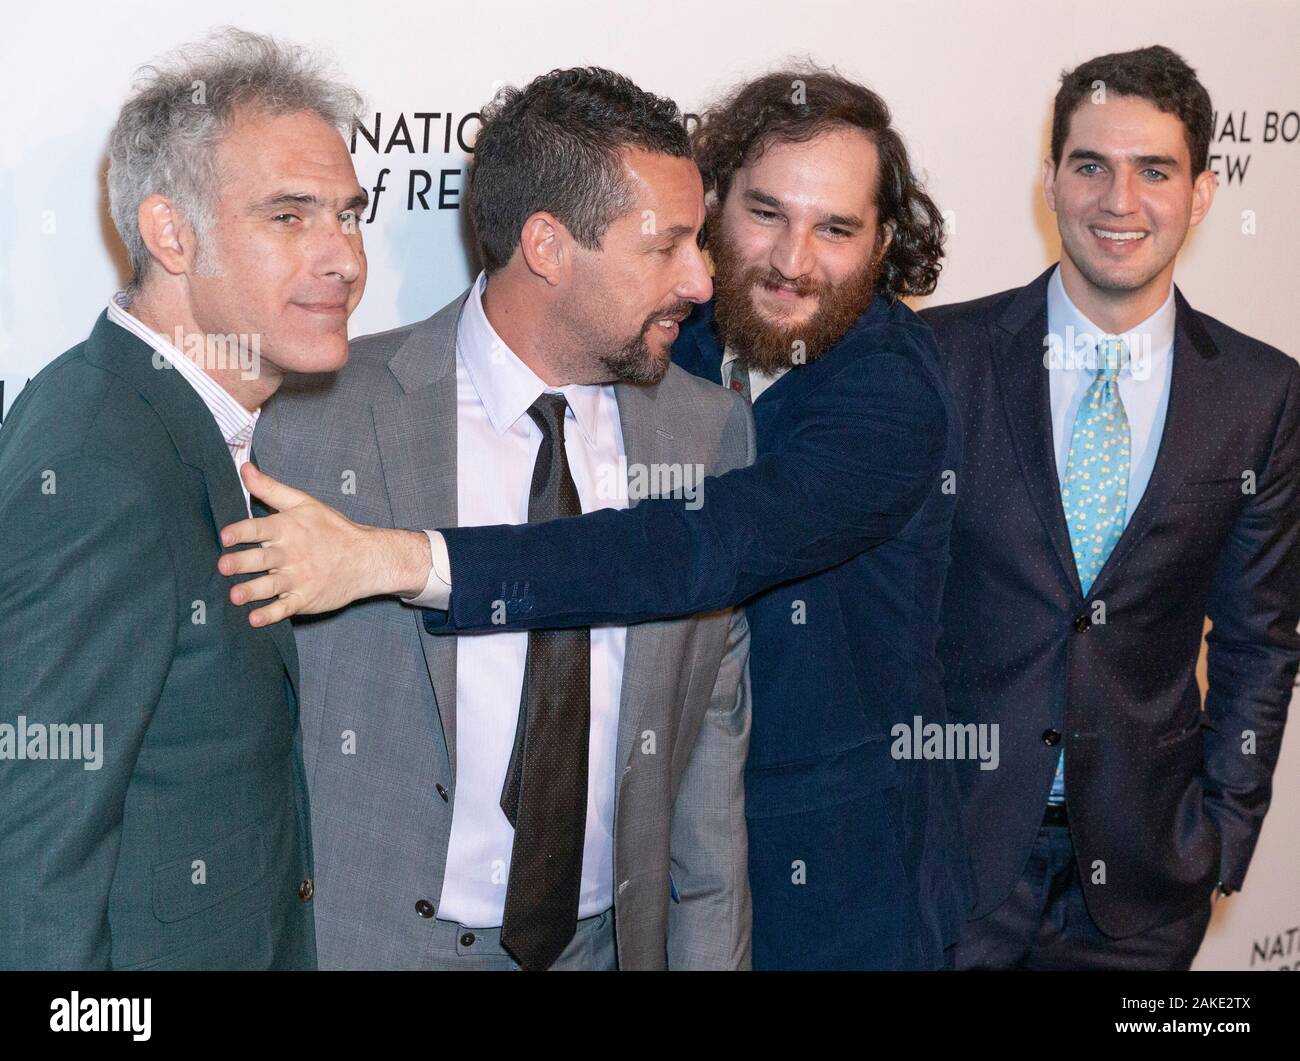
point(730, 357)
point(1148, 342)
point(504, 384)
point(234, 421)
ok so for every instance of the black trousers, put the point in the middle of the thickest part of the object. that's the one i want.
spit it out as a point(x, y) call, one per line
point(1044, 924)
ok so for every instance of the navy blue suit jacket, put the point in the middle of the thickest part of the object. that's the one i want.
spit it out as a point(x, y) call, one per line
point(837, 539)
point(1164, 800)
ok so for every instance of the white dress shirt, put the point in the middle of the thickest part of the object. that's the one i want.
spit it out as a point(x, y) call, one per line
point(235, 423)
point(496, 447)
point(1143, 386)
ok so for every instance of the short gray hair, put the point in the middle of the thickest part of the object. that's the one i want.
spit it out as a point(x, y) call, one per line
point(167, 133)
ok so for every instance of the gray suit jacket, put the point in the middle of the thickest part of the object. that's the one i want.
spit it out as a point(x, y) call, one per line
point(377, 440)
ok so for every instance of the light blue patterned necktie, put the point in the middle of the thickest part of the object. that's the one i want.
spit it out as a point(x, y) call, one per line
point(1095, 491)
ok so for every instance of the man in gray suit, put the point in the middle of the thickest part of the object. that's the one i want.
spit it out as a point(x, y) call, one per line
point(153, 808)
point(556, 799)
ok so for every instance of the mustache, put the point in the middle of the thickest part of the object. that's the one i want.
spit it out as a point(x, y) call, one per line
point(802, 285)
point(679, 310)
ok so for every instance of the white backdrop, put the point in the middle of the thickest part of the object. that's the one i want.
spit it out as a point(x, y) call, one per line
point(971, 86)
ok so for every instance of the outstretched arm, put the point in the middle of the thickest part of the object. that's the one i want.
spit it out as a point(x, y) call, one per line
point(868, 452)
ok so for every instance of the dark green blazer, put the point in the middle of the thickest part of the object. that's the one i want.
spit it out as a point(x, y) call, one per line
point(184, 842)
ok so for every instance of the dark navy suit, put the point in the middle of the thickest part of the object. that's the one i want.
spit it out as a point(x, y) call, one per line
point(837, 539)
point(1164, 799)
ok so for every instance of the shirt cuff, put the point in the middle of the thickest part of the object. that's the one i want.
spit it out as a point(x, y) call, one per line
point(437, 589)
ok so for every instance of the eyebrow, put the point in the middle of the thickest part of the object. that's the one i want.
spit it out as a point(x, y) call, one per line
point(301, 199)
point(1083, 154)
point(843, 220)
point(674, 232)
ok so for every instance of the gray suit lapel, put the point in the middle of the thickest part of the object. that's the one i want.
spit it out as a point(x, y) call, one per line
point(416, 434)
point(645, 442)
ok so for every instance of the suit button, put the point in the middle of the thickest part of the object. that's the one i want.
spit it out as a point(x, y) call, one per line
point(424, 908)
point(442, 792)
point(306, 890)
point(1082, 624)
point(1051, 738)
point(467, 940)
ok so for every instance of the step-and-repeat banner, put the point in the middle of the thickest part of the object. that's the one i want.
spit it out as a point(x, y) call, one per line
point(971, 86)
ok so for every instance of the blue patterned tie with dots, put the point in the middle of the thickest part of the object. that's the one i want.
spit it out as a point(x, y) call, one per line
point(1095, 491)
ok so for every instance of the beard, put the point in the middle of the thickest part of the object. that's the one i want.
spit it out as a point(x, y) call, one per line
point(765, 344)
point(634, 361)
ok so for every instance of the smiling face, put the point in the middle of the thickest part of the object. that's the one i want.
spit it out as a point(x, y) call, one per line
point(283, 258)
point(628, 297)
point(1124, 198)
point(797, 247)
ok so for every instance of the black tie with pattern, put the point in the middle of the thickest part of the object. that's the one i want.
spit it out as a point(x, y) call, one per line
point(545, 794)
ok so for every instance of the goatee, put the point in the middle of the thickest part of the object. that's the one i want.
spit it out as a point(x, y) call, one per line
point(634, 362)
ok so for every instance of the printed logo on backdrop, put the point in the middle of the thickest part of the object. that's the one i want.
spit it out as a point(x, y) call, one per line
point(1278, 951)
point(396, 138)
point(1239, 134)
point(390, 135)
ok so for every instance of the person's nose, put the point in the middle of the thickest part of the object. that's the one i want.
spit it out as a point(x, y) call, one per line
point(1120, 196)
point(695, 285)
point(792, 255)
point(340, 251)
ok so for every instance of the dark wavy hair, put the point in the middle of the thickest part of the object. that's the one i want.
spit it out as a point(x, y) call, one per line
point(556, 145)
point(1156, 74)
point(793, 106)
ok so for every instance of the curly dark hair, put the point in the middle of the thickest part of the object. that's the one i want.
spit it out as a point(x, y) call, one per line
point(1156, 74)
point(555, 145)
point(793, 106)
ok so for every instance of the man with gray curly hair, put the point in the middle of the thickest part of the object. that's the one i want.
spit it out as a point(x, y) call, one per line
point(181, 836)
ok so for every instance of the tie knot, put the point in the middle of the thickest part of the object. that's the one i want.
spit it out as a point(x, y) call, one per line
point(1112, 358)
point(548, 414)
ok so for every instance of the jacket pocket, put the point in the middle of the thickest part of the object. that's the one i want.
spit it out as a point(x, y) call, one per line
point(246, 945)
point(1167, 740)
point(1209, 490)
point(821, 781)
point(222, 869)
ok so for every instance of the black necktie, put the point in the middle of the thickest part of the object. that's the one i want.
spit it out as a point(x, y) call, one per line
point(545, 794)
